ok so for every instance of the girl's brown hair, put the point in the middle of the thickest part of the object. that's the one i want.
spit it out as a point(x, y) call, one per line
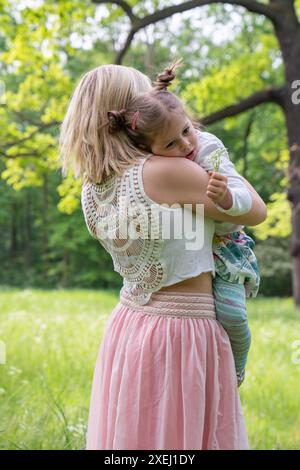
point(102, 133)
point(150, 112)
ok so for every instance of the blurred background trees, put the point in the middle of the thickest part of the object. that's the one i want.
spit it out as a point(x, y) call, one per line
point(45, 47)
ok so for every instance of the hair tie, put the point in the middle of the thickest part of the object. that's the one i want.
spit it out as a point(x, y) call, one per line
point(134, 120)
point(116, 120)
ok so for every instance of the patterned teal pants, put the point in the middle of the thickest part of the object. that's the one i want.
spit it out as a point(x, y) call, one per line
point(230, 304)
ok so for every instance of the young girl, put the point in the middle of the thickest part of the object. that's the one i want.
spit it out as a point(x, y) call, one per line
point(157, 122)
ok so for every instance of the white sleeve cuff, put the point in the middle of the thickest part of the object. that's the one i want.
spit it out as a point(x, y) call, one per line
point(241, 203)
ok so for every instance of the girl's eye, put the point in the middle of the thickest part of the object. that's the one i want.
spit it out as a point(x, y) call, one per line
point(170, 144)
point(186, 131)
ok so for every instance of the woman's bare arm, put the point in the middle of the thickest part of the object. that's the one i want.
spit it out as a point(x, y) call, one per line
point(176, 180)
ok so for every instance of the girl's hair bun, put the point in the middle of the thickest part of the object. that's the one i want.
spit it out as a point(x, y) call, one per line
point(116, 120)
point(164, 79)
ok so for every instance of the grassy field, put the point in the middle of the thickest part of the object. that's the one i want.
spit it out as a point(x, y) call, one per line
point(52, 339)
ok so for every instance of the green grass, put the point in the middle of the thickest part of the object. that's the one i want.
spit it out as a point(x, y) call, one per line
point(52, 340)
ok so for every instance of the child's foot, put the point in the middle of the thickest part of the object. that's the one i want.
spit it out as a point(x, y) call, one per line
point(240, 377)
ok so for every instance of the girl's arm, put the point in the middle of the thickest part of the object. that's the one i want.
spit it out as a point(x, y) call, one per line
point(213, 157)
point(176, 180)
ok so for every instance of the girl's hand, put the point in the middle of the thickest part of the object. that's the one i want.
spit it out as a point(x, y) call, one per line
point(218, 191)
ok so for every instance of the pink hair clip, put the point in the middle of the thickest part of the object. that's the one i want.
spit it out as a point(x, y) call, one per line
point(134, 119)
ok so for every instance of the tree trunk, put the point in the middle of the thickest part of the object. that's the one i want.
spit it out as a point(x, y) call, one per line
point(288, 34)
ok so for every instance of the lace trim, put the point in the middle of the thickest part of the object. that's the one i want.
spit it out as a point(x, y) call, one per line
point(108, 210)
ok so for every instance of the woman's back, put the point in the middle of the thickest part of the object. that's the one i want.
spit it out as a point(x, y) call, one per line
point(152, 245)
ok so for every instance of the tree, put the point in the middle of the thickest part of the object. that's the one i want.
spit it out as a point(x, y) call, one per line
point(38, 65)
point(283, 16)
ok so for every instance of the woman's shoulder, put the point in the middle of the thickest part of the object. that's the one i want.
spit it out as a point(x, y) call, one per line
point(168, 180)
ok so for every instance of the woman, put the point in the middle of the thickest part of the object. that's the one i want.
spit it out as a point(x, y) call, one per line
point(164, 376)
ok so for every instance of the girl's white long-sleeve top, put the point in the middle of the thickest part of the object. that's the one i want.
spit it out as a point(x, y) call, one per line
point(210, 148)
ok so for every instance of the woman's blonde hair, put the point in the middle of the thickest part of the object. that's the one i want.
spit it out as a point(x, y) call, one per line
point(97, 137)
point(85, 144)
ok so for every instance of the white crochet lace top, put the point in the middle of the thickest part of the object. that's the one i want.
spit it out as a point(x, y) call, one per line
point(132, 228)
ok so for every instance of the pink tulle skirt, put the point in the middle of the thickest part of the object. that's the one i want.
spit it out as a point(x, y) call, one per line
point(165, 378)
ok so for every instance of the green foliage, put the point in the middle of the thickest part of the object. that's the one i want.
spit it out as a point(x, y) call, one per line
point(297, 6)
point(38, 85)
point(275, 267)
point(69, 191)
point(219, 88)
point(40, 65)
point(278, 222)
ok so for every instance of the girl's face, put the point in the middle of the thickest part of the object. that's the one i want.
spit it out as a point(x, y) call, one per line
point(180, 139)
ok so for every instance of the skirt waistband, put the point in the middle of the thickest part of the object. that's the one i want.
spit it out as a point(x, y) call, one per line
point(174, 304)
